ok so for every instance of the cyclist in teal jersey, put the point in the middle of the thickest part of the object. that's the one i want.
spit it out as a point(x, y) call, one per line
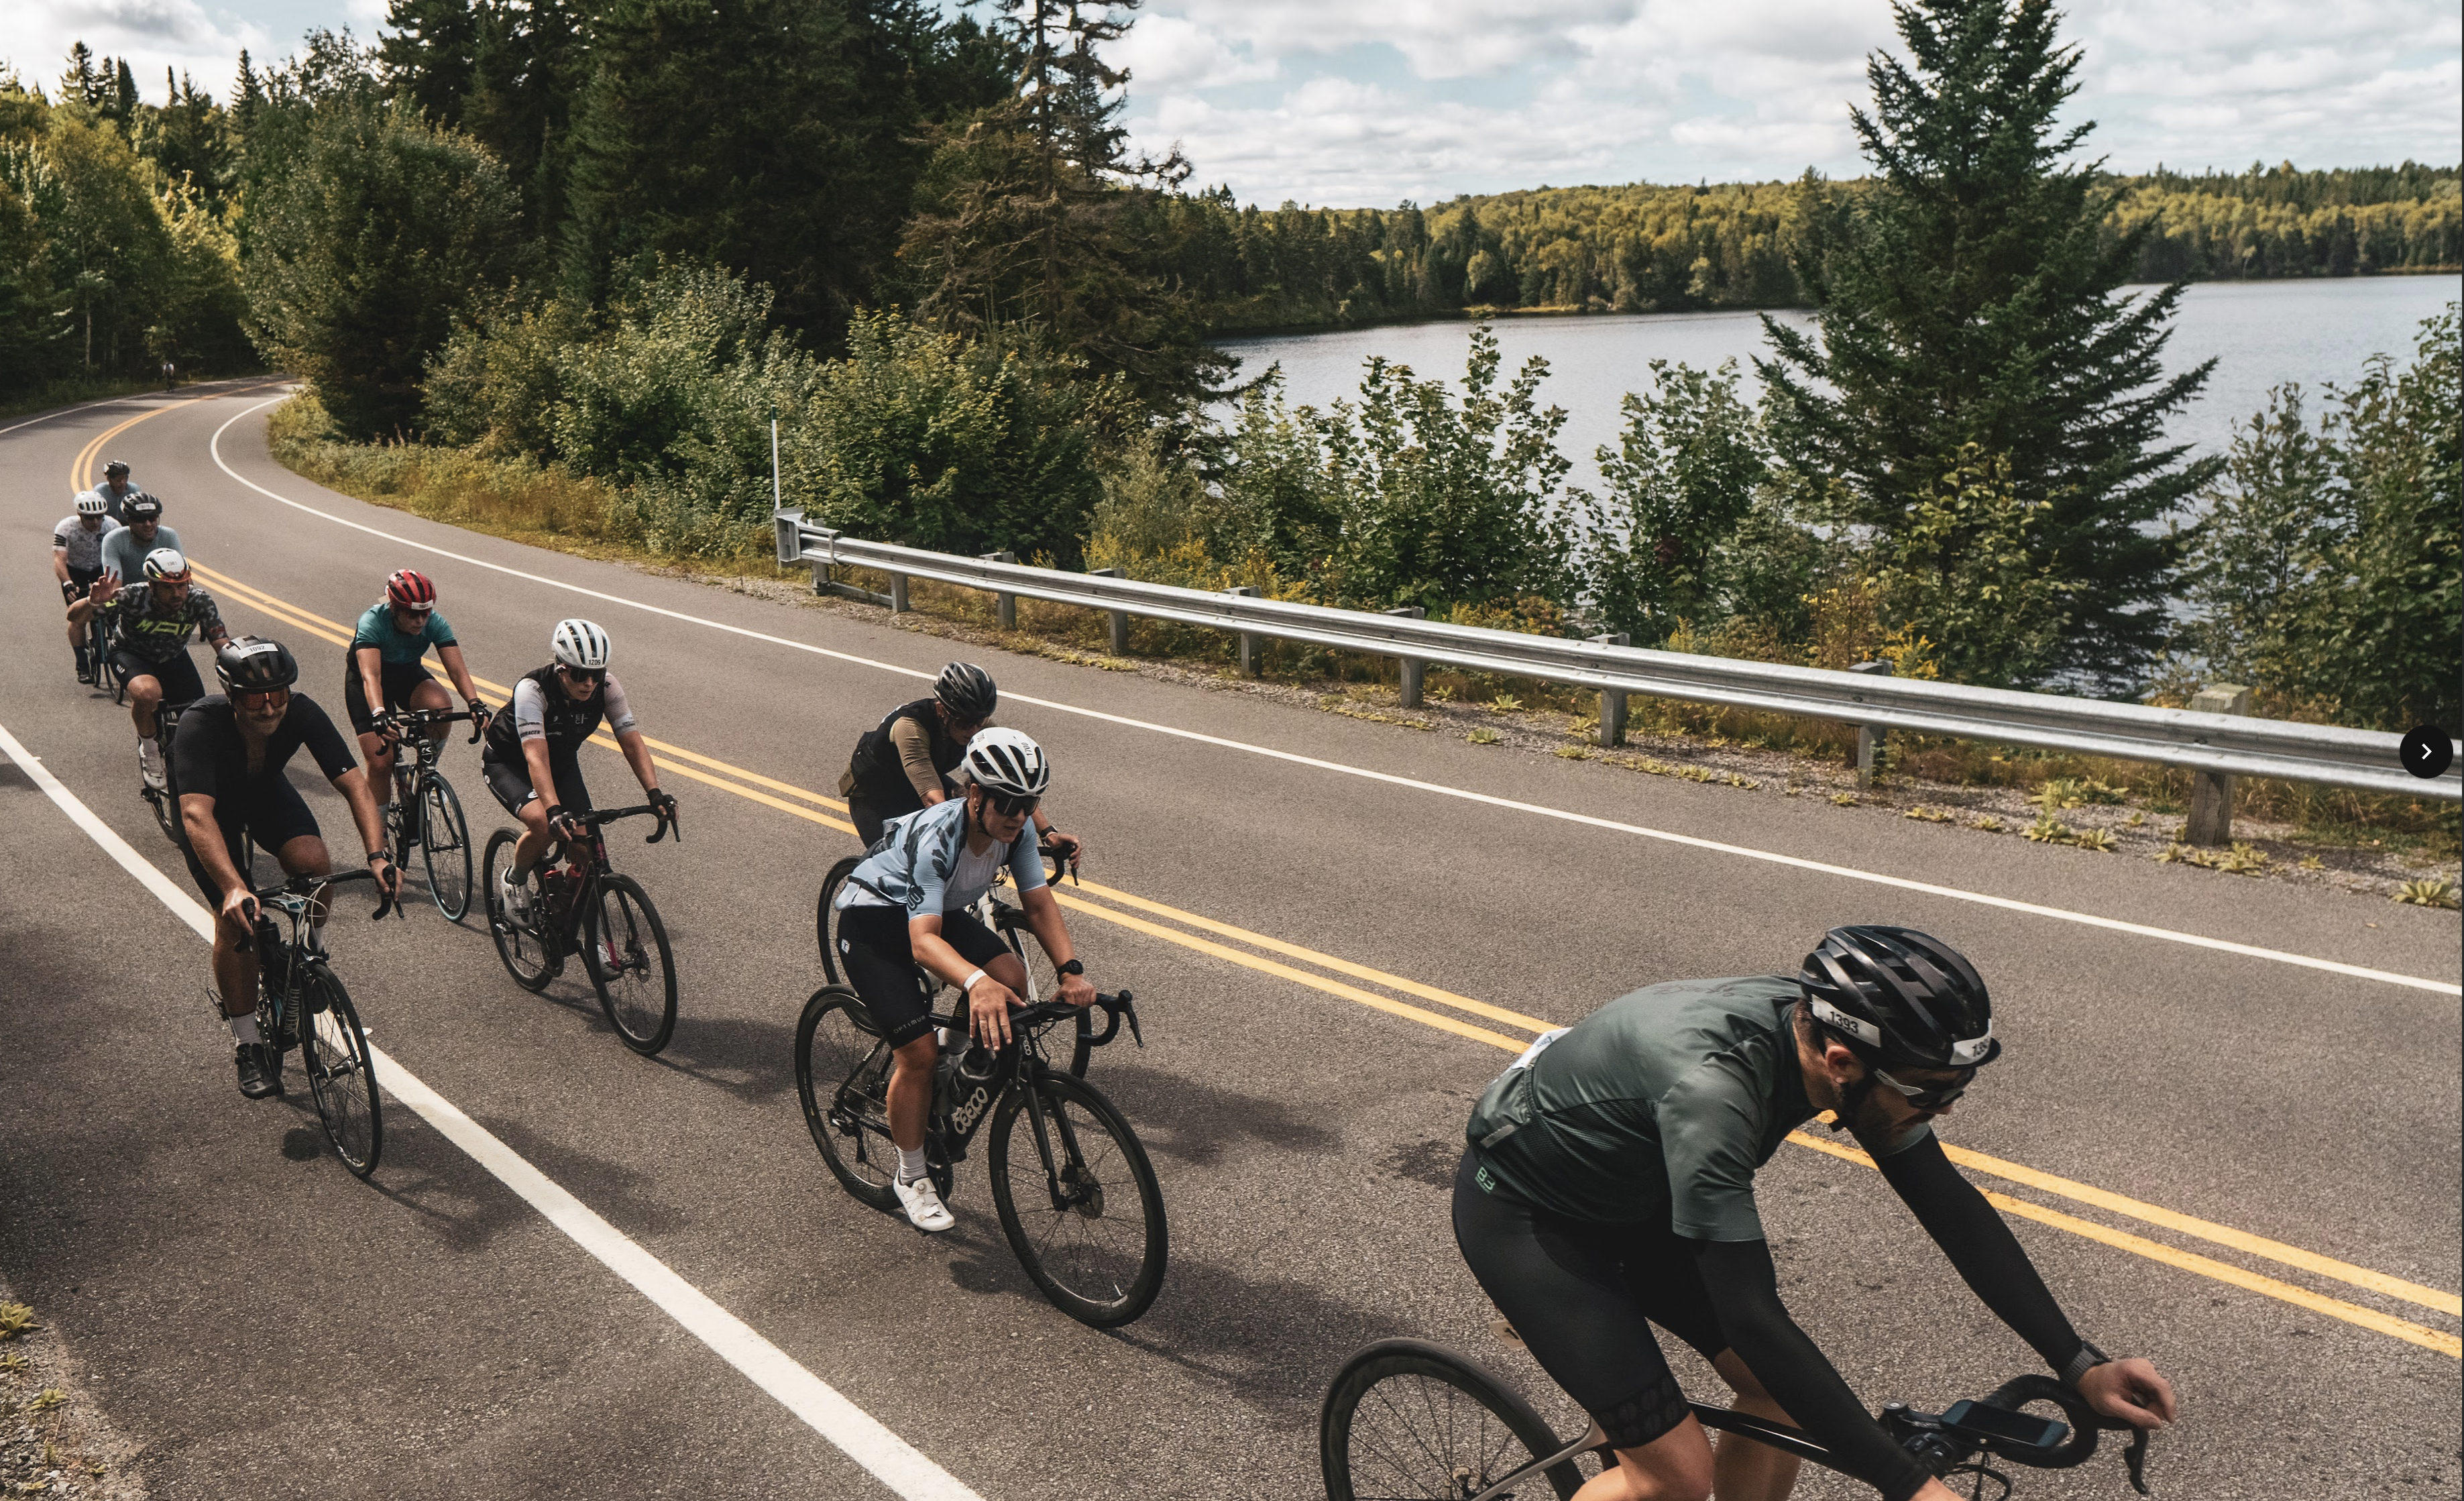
point(1608, 1186)
point(384, 672)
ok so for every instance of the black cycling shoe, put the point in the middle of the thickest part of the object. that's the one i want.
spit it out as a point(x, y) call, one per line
point(253, 1080)
point(85, 668)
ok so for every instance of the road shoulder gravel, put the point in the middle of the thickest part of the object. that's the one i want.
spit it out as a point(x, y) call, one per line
point(56, 1439)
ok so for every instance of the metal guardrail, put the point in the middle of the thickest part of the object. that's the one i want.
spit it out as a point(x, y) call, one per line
point(2218, 744)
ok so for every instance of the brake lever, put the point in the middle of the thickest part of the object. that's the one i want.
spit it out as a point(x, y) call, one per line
point(1129, 1012)
point(2135, 1459)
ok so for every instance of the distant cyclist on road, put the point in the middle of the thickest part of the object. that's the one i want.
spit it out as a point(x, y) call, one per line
point(907, 905)
point(114, 491)
point(229, 758)
point(1609, 1186)
point(536, 741)
point(383, 668)
point(76, 563)
point(151, 655)
point(908, 760)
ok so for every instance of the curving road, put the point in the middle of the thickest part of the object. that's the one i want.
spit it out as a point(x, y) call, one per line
point(2228, 1125)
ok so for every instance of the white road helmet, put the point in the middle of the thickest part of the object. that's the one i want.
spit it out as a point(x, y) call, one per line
point(165, 565)
point(91, 503)
point(580, 644)
point(1005, 762)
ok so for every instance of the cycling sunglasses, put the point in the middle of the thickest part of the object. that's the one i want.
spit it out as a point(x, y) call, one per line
point(1931, 1096)
point(1007, 807)
point(584, 674)
point(268, 697)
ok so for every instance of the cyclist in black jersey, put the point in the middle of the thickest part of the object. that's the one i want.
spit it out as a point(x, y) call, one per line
point(1607, 1185)
point(535, 742)
point(910, 761)
point(227, 761)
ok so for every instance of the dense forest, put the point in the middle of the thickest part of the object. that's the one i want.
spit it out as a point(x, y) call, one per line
point(578, 255)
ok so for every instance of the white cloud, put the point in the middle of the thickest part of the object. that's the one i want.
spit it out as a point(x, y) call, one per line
point(152, 35)
point(1431, 97)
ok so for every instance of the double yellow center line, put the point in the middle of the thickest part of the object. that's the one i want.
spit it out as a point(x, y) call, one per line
point(1446, 1011)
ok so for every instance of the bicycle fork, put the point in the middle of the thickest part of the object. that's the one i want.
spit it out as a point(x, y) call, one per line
point(1070, 1185)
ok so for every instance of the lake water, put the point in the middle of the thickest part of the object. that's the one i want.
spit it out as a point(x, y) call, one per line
point(2260, 334)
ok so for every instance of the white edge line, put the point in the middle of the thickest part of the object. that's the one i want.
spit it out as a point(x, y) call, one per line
point(1796, 862)
point(858, 1434)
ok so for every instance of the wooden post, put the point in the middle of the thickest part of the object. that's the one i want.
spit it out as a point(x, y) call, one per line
point(1119, 618)
point(1413, 666)
point(1005, 606)
point(1612, 699)
point(2210, 820)
point(1248, 642)
point(1869, 739)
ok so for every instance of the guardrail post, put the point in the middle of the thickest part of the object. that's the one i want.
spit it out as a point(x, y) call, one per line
point(788, 524)
point(898, 594)
point(1413, 666)
point(1005, 606)
point(1119, 618)
point(1612, 699)
point(1869, 739)
point(2210, 821)
point(1248, 642)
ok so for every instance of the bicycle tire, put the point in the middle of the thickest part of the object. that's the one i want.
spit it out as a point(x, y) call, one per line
point(841, 1065)
point(527, 953)
point(825, 917)
point(97, 637)
point(1106, 1282)
point(1456, 1429)
point(446, 861)
point(622, 939)
point(341, 1075)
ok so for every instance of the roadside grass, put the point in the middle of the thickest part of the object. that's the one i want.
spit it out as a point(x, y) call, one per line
point(524, 501)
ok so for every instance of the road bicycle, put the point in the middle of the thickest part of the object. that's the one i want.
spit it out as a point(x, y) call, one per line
point(426, 812)
point(1076, 1195)
point(101, 636)
point(302, 1003)
point(1407, 1418)
point(586, 908)
point(165, 799)
point(994, 913)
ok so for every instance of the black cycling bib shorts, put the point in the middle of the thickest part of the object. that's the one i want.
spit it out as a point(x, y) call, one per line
point(881, 964)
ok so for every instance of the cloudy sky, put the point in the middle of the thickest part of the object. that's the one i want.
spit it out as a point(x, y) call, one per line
point(1371, 102)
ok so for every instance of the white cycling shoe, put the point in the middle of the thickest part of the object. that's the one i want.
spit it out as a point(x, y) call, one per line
point(515, 898)
point(149, 764)
point(923, 1203)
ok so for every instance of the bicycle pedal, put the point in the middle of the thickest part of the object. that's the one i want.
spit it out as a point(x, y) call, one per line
point(1504, 1333)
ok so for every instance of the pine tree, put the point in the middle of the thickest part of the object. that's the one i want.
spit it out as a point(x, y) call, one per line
point(1971, 300)
point(428, 56)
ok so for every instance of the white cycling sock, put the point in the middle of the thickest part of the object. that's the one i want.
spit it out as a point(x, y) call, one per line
point(911, 1166)
point(244, 1029)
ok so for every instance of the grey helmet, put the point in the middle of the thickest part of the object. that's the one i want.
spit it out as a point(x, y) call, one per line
point(1899, 997)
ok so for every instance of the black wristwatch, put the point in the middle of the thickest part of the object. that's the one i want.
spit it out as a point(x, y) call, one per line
point(2088, 1359)
point(1073, 967)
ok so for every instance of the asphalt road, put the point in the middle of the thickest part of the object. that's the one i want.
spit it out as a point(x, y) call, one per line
point(265, 1325)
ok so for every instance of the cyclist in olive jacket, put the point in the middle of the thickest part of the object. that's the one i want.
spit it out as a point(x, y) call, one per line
point(1609, 1186)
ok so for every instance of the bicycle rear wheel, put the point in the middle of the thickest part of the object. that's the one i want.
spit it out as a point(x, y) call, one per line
point(1078, 1200)
point(843, 1077)
point(1406, 1418)
point(334, 1054)
point(626, 951)
point(443, 847)
point(825, 917)
point(524, 946)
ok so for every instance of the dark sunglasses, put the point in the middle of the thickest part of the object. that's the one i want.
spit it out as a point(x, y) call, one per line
point(266, 697)
point(584, 674)
point(1009, 806)
point(1935, 1096)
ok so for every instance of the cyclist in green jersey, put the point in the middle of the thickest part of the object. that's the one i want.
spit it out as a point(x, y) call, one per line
point(1607, 1187)
point(383, 671)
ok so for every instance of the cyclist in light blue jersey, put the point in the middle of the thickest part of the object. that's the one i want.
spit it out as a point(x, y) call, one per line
point(907, 905)
point(385, 670)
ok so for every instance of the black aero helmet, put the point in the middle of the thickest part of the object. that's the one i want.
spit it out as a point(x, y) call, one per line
point(255, 665)
point(142, 507)
point(966, 691)
point(1901, 997)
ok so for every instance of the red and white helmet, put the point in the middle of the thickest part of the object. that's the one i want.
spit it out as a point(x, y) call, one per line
point(165, 565)
point(409, 589)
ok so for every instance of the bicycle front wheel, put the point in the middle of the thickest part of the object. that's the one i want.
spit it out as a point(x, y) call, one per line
point(843, 1077)
point(629, 965)
point(826, 916)
point(1406, 1418)
point(333, 1053)
point(443, 847)
point(523, 947)
point(1078, 1200)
